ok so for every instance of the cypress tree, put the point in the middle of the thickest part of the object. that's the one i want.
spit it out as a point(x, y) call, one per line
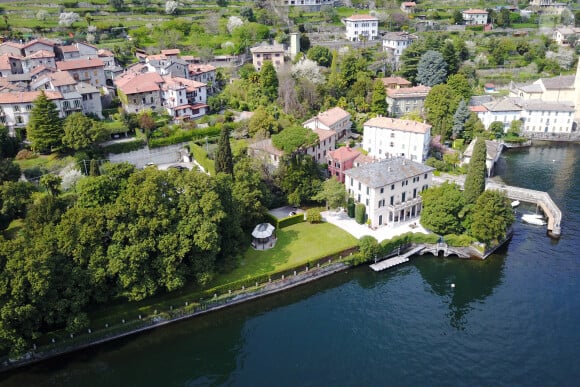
point(45, 130)
point(269, 81)
point(379, 99)
point(223, 160)
point(475, 179)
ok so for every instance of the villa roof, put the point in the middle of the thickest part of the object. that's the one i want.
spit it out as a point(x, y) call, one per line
point(267, 48)
point(195, 69)
point(105, 53)
point(475, 11)
point(40, 54)
point(27, 96)
point(141, 83)
point(344, 153)
point(503, 105)
point(408, 92)
point(493, 149)
point(324, 134)
point(387, 171)
point(171, 51)
point(76, 64)
point(41, 41)
point(361, 17)
point(176, 82)
point(398, 124)
point(330, 116)
point(539, 105)
point(5, 62)
point(402, 36)
point(399, 81)
point(69, 48)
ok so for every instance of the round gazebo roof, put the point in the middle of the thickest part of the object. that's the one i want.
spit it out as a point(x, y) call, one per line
point(263, 230)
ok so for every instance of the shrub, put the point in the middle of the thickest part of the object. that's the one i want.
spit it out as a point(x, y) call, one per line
point(350, 207)
point(25, 154)
point(289, 221)
point(200, 155)
point(123, 147)
point(34, 172)
point(313, 215)
point(462, 240)
point(360, 213)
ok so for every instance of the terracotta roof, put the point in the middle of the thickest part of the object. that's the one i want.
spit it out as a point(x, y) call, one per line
point(70, 48)
point(27, 96)
point(324, 134)
point(195, 69)
point(40, 69)
point(475, 11)
point(130, 73)
point(397, 124)
point(62, 78)
point(190, 85)
point(41, 41)
point(388, 171)
point(361, 17)
point(5, 62)
point(395, 80)
point(344, 153)
point(40, 54)
point(420, 91)
point(171, 51)
point(105, 52)
point(330, 117)
point(12, 44)
point(409, 4)
point(76, 64)
point(142, 83)
point(478, 109)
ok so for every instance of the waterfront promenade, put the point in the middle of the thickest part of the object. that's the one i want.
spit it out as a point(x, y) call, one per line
point(540, 198)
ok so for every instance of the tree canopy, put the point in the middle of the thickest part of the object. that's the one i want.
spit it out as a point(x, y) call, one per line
point(224, 161)
point(491, 217)
point(294, 138)
point(476, 173)
point(80, 131)
point(442, 207)
point(44, 129)
point(432, 69)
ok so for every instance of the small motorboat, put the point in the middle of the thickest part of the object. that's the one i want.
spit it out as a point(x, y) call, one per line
point(534, 219)
point(515, 203)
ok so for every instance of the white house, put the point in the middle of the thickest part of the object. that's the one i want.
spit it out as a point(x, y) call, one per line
point(475, 17)
point(326, 143)
point(537, 116)
point(336, 119)
point(359, 27)
point(390, 189)
point(566, 36)
point(395, 43)
point(391, 137)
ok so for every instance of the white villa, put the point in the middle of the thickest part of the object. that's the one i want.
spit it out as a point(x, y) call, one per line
point(395, 43)
point(474, 17)
point(391, 137)
point(359, 27)
point(390, 189)
point(336, 119)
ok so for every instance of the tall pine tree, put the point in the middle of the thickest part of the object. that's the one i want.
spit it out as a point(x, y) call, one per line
point(45, 130)
point(379, 99)
point(223, 160)
point(459, 119)
point(475, 179)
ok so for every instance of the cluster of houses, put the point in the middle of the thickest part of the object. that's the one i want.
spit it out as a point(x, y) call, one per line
point(82, 78)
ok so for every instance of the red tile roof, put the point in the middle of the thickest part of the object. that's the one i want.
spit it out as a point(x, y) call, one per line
point(344, 153)
point(40, 54)
point(324, 134)
point(40, 69)
point(190, 85)
point(331, 116)
point(62, 78)
point(400, 81)
point(5, 62)
point(408, 91)
point(27, 96)
point(41, 41)
point(397, 124)
point(70, 48)
point(475, 11)
point(76, 64)
point(478, 109)
point(171, 51)
point(195, 69)
point(361, 17)
point(141, 83)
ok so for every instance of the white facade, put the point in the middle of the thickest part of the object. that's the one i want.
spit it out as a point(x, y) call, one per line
point(273, 53)
point(474, 17)
point(359, 27)
point(390, 137)
point(336, 119)
point(395, 43)
point(390, 189)
point(326, 143)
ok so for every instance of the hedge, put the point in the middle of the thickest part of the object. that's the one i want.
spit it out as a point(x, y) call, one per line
point(462, 240)
point(285, 222)
point(360, 213)
point(200, 155)
point(123, 147)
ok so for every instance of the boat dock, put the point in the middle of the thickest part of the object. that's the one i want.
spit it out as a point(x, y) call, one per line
point(394, 261)
point(540, 198)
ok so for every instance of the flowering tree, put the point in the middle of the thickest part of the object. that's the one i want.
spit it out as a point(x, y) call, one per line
point(171, 7)
point(66, 19)
point(234, 22)
point(308, 69)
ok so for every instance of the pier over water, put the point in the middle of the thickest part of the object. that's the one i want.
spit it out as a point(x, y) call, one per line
point(540, 198)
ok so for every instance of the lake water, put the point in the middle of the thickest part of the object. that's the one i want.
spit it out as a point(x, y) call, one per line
point(513, 319)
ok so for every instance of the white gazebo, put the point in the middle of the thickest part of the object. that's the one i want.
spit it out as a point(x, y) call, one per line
point(264, 236)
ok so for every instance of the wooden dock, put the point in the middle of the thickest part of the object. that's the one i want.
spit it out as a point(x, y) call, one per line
point(394, 261)
point(540, 198)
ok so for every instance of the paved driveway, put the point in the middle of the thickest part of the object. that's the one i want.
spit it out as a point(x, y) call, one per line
point(349, 225)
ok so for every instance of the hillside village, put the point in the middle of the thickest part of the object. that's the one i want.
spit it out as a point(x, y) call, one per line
point(358, 114)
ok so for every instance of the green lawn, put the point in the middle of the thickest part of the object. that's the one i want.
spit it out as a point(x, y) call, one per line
point(296, 245)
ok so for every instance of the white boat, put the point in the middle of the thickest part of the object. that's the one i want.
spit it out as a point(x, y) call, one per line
point(535, 219)
point(515, 203)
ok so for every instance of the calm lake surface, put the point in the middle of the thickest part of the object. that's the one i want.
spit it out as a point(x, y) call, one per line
point(513, 319)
